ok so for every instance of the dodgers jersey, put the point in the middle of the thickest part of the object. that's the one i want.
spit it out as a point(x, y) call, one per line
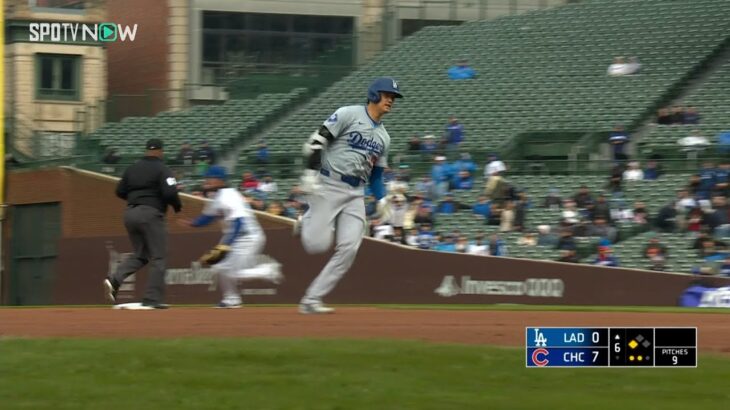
point(236, 215)
point(360, 143)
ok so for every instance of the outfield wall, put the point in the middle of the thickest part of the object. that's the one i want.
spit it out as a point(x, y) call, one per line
point(93, 242)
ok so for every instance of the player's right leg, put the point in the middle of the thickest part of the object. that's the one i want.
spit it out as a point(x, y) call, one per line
point(318, 223)
point(227, 280)
point(132, 264)
point(350, 231)
point(253, 265)
point(155, 232)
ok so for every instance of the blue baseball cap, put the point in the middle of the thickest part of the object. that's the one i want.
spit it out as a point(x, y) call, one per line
point(216, 171)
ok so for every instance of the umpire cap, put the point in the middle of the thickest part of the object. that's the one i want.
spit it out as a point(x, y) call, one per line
point(153, 144)
point(383, 84)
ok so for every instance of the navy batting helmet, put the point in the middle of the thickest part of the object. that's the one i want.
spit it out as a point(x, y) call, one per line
point(383, 84)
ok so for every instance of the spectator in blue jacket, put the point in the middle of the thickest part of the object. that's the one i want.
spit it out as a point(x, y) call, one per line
point(461, 71)
point(722, 178)
point(497, 247)
point(463, 181)
point(652, 171)
point(426, 238)
point(482, 208)
point(605, 258)
point(262, 153)
point(707, 180)
point(691, 116)
point(429, 144)
point(465, 163)
point(454, 134)
point(447, 244)
point(441, 175)
point(449, 205)
point(618, 139)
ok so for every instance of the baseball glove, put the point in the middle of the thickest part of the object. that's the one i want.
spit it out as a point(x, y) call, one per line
point(215, 255)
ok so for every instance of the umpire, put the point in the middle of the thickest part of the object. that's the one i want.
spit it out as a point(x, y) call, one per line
point(149, 187)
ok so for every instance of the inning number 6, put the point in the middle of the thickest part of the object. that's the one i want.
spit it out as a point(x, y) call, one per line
point(616, 347)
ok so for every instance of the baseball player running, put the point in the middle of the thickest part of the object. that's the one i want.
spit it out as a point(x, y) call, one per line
point(236, 256)
point(349, 150)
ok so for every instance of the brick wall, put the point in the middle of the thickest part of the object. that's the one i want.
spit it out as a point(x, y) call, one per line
point(143, 64)
point(89, 207)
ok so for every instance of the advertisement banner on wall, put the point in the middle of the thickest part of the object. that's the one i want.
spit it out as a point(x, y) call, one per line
point(382, 273)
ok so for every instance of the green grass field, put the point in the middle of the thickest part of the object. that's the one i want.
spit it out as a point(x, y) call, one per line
point(329, 374)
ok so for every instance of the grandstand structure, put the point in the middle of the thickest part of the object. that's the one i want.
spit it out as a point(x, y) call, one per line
point(541, 91)
point(711, 98)
point(221, 126)
point(538, 72)
point(544, 75)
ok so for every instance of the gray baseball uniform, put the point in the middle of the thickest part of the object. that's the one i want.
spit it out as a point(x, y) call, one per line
point(337, 210)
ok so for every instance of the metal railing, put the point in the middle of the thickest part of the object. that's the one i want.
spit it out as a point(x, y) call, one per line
point(288, 167)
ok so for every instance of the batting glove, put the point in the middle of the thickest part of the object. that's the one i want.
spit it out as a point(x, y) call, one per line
point(309, 182)
point(382, 209)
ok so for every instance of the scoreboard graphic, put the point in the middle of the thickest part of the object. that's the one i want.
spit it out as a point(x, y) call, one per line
point(611, 347)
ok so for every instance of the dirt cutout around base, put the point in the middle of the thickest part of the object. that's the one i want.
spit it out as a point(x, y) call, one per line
point(502, 328)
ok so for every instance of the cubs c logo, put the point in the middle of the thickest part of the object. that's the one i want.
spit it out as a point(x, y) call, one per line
point(536, 360)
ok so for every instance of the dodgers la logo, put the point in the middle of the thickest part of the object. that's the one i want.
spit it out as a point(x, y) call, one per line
point(332, 118)
point(395, 85)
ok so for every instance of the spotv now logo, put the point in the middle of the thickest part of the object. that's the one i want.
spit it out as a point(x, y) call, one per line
point(73, 32)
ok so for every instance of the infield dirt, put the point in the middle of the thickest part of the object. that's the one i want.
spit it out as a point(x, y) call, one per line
point(501, 328)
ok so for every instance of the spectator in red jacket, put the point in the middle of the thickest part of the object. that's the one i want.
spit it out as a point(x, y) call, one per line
point(249, 182)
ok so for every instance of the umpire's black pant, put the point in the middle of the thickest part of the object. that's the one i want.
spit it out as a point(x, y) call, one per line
point(147, 231)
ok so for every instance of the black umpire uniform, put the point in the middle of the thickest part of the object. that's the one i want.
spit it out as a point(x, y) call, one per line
point(149, 187)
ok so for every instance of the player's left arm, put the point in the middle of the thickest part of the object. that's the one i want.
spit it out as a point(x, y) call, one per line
point(209, 214)
point(377, 183)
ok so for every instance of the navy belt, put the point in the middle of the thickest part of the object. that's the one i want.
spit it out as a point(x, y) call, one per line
point(353, 181)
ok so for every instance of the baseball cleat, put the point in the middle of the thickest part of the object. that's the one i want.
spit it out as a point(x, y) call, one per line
point(276, 276)
point(316, 308)
point(226, 305)
point(110, 291)
point(155, 305)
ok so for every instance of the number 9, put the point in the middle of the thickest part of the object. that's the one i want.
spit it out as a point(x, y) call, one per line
point(674, 360)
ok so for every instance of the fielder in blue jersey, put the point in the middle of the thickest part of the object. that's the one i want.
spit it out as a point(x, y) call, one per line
point(348, 151)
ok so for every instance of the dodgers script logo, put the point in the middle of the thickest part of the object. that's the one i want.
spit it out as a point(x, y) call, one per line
point(356, 141)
